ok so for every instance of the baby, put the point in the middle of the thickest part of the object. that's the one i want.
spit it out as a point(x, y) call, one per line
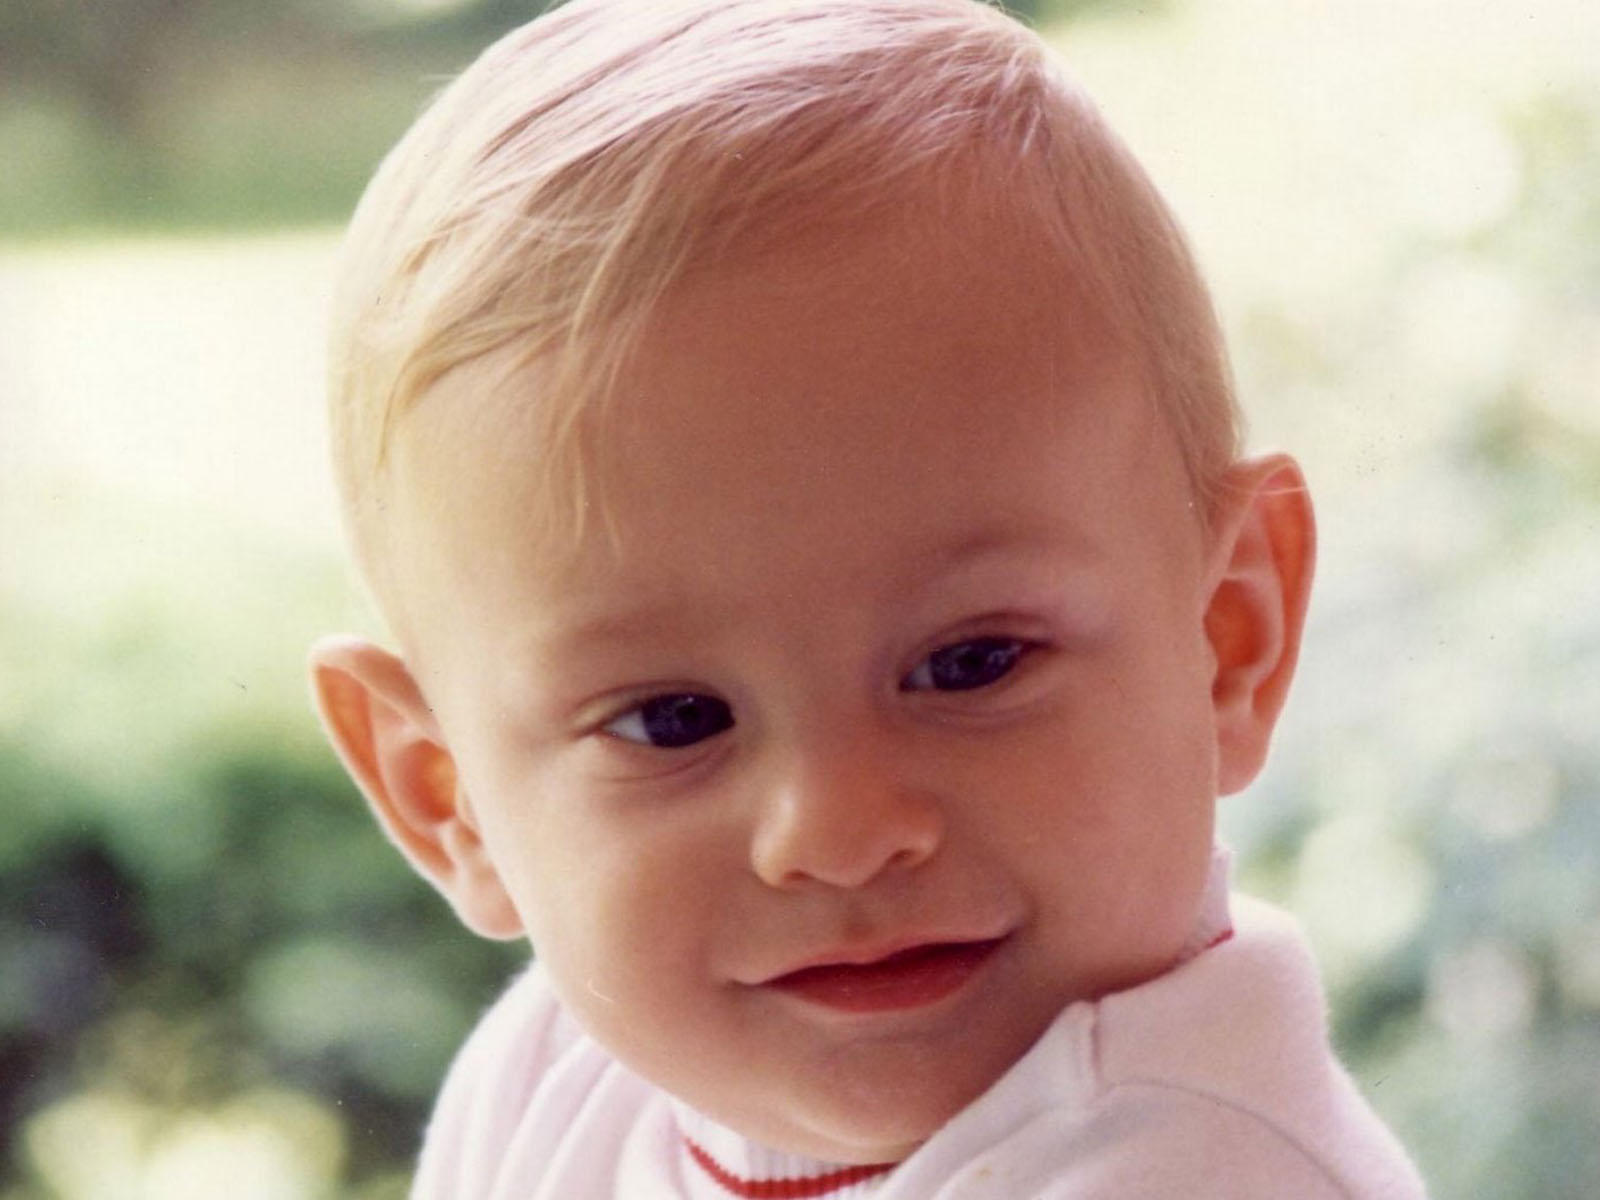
point(794, 451)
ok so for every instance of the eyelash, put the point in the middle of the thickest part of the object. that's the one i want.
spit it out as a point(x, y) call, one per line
point(696, 717)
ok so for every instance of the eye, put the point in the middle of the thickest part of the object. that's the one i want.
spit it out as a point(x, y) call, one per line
point(672, 722)
point(964, 666)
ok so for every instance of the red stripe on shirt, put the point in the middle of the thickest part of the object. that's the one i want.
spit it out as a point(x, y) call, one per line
point(784, 1189)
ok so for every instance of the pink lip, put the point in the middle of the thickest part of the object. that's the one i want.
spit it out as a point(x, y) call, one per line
point(910, 978)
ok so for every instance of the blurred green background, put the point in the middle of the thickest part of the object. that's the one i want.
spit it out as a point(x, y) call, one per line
point(215, 976)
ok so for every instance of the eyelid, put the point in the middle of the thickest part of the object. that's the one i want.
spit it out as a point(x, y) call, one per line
point(600, 709)
point(1032, 630)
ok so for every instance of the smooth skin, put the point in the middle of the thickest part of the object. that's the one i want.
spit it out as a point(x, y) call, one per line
point(910, 632)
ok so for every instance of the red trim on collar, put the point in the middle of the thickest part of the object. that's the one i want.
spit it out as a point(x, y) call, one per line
point(1225, 935)
point(784, 1189)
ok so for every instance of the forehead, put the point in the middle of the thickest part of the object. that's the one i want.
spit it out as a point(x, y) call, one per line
point(831, 405)
point(895, 362)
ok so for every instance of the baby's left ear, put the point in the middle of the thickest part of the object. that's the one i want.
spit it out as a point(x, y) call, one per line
point(1263, 549)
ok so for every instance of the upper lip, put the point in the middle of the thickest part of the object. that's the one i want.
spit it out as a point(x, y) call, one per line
point(874, 953)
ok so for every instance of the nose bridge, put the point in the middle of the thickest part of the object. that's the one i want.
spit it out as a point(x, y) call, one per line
point(840, 808)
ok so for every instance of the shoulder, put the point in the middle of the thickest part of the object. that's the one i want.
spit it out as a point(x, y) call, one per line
point(1244, 1016)
point(1215, 1081)
point(514, 1094)
point(488, 1085)
point(1237, 1042)
point(1156, 1141)
point(1149, 1141)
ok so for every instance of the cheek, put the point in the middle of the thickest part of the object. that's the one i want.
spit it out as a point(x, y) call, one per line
point(626, 903)
point(629, 929)
point(1123, 772)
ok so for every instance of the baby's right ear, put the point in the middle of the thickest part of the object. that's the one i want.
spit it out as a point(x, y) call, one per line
point(389, 741)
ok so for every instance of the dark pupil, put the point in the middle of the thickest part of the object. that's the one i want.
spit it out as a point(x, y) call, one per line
point(972, 664)
point(683, 720)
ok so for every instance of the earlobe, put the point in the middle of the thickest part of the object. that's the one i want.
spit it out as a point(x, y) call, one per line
point(1262, 559)
point(384, 732)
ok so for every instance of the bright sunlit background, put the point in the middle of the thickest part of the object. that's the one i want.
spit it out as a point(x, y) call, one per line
point(216, 978)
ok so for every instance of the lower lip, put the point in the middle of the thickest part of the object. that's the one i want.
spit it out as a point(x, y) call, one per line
point(912, 979)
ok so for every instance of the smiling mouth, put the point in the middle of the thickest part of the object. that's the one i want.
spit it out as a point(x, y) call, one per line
point(911, 978)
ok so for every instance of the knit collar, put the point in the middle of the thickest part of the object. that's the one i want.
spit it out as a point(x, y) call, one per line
point(717, 1163)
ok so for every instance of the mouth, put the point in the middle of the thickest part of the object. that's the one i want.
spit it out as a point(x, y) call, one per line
point(911, 978)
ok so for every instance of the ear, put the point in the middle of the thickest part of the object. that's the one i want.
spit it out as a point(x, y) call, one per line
point(1263, 551)
point(385, 734)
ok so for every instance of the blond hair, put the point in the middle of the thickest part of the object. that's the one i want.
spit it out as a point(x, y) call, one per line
point(589, 160)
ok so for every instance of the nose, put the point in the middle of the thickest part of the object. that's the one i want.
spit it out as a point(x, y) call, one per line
point(842, 814)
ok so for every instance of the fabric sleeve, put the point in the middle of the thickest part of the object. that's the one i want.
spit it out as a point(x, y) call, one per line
point(1157, 1142)
point(487, 1089)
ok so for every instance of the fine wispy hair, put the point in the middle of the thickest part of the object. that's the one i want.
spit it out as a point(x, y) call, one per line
point(589, 161)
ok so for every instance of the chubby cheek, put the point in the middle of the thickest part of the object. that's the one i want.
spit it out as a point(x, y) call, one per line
point(622, 915)
point(1117, 826)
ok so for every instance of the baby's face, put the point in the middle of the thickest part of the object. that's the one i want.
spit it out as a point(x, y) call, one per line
point(882, 732)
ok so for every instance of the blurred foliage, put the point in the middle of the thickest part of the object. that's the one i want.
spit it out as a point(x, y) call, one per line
point(211, 962)
point(210, 919)
point(184, 113)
